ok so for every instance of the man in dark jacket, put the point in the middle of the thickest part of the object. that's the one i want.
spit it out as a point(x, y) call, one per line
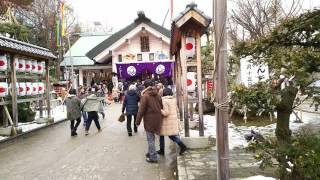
point(150, 111)
point(130, 104)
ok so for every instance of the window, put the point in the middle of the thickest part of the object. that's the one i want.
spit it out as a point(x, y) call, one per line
point(139, 57)
point(144, 40)
point(120, 58)
point(151, 56)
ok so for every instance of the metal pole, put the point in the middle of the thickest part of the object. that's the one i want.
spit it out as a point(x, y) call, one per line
point(71, 62)
point(220, 16)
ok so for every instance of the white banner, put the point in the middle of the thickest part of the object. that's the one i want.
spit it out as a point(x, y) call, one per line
point(251, 74)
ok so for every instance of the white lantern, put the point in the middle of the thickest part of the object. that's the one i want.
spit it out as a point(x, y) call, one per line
point(191, 81)
point(28, 66)
point(29, 88)
point(40, 88)
point(22, 89)
point(21, 65)
point(35, 88)
point(40, 67)
point(3, 89)
point(3, 63)
point(190, 47)
point(16, 64)
point(34, 67)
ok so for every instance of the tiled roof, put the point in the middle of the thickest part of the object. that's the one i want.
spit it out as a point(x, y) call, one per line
point(13, 45)
point(118, 35)
point(192, 6)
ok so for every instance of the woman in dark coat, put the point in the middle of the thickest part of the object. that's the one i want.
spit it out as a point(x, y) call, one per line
point(130, 104)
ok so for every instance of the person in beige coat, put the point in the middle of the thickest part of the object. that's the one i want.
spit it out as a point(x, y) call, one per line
point(170, 123)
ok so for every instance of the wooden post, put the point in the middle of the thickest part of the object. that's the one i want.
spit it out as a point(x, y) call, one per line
point(5, 118)
point(48, 89)
point(199, 80)
point(220, 15)
point(184, 85)
point(179, 86)
point(41, 106)
point(14, 90)
point(191, 111)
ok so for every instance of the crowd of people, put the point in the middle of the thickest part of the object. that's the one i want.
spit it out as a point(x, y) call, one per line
point(146, 101)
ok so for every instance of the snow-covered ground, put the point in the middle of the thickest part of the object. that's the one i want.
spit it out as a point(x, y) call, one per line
point(59, 113)
point(236, 133)
point(259, 178)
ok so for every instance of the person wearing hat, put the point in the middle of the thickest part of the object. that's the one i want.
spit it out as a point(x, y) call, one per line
point(150, 111)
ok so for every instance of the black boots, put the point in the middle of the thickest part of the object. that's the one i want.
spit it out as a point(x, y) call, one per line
point(160, 152)
point(183, 148)
point(73, 133)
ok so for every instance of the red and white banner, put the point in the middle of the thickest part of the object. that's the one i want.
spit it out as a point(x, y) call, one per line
point(3, 63)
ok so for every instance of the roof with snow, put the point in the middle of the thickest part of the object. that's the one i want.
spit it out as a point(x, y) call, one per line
point(78, 51)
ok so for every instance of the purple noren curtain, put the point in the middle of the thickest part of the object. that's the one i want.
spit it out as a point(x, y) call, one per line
point(129, 70)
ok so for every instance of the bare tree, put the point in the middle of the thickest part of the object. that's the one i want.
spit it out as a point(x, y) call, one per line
point(252, 19)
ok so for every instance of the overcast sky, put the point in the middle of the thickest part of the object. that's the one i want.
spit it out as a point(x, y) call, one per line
point(119, 13)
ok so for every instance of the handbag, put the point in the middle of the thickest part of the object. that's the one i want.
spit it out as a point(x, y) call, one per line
point(121, 118)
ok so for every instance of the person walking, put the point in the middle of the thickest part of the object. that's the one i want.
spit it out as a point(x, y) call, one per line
point(91, 105)
point(115, 94)
point(73, 104)
point(159, 87)
point(130, 104)
point(81, 95)
point(101, 96)
point(170, 123)
point(150, 111)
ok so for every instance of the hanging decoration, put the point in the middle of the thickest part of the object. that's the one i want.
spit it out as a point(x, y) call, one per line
point(3, 63)
point(129, 70)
